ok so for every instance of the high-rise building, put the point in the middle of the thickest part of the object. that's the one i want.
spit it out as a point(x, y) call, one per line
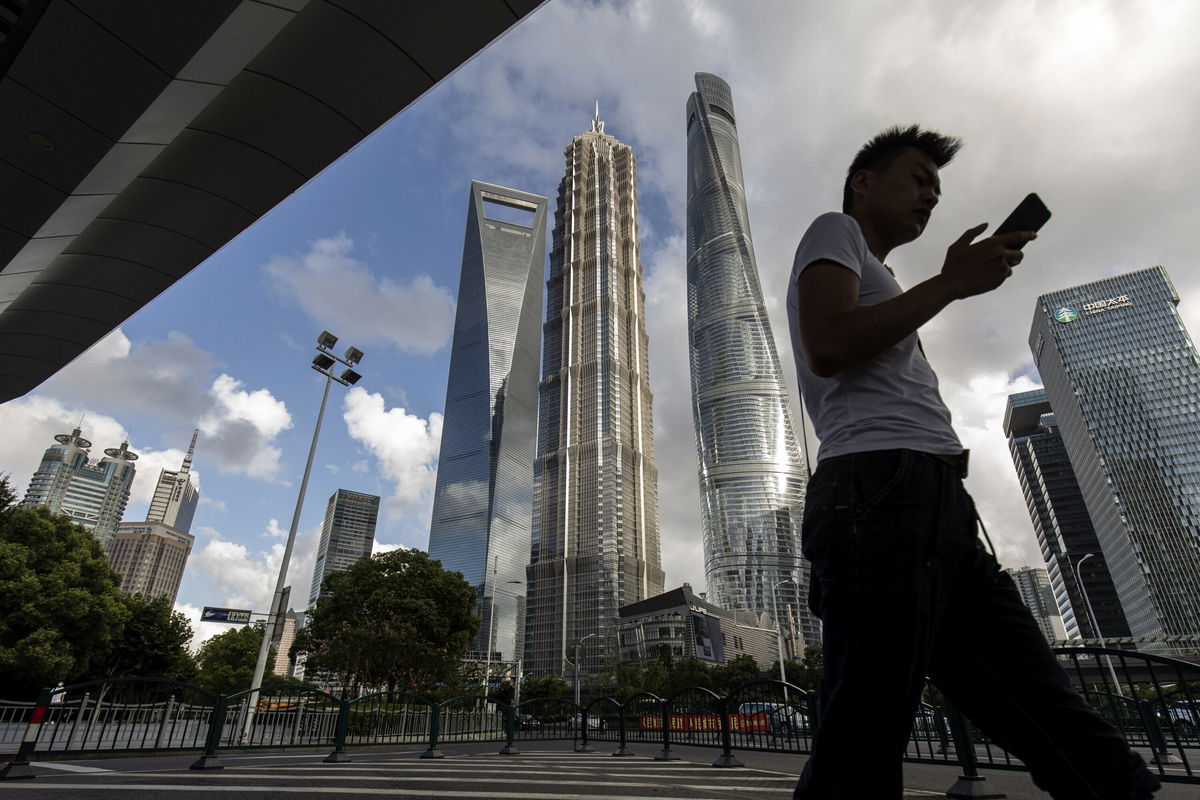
point(347, 534)
point(595, 526)
point(483, 501)
point(1034, 585)
point(175, 496)
point(92, 493)
point(1060, 520)
point(150, 557)
point(752, 480)
point(1123, 378)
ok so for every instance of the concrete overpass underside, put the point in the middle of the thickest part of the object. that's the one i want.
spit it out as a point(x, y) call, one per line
point(138, 137)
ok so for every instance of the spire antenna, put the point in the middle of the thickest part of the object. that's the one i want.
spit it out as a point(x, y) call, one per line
point(187, 459)
point(597, 123)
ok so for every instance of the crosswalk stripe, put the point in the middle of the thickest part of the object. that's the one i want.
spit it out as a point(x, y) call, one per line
point(522, 780)
point(417, 770)
point(327, 790)
point(66, 767)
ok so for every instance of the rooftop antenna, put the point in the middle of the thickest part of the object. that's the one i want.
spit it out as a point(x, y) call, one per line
point(187, 459)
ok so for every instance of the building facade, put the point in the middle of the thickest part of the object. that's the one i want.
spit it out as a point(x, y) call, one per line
point(595, 526)
point(175, 495)
point(1034, 585)
point(1123, 378)
point(92, 493)
point(150, 558)
point(1060, 520)
point(483, 500)
point(678, 624)
point(347, 534)
point(752, 480)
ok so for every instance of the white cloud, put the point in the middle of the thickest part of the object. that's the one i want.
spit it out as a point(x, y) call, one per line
point(240, 425)
point(405, 447)
point(344, 295)
point(219, 505)
point(384, 547)
point(237, 576)
point(360, 466)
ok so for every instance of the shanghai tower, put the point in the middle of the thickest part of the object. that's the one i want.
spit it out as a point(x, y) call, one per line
point(483, 500)
point(595, 526)
point(752, 480)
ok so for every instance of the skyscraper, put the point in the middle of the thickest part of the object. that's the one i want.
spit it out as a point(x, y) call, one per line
point(93, 494)
point(1123, 378)
point(175, 496)
point(150, 558)
point(752, 480)
point(595, 527)
point(1034, 585)
point(1060, 520)
point(483, 501)
point(347, 534)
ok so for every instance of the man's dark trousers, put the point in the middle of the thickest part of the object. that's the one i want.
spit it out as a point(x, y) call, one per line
point(906, 590)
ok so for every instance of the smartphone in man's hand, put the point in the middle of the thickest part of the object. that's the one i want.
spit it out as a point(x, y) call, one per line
point(1030, 215)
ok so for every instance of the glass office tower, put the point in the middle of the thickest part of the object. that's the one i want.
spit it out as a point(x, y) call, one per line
point(1123, 378)
point(483, 501)
point(92, 493)
point(752, 480)
point(347, 534)
point(1060, 520)
point(595, 527)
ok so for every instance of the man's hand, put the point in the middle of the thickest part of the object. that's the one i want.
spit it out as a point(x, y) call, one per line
point(973, 268)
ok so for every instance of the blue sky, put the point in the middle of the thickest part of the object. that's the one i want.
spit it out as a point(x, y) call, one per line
point(1093, 105)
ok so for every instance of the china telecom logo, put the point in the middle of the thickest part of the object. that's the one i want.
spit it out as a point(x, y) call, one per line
point(1066, 314)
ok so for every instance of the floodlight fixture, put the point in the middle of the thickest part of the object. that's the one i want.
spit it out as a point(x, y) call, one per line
point(322, 361)
point(327, 340)
point(353, 355)
point(350, 377)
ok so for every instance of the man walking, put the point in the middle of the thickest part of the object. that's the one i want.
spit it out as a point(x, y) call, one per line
point(900, 581)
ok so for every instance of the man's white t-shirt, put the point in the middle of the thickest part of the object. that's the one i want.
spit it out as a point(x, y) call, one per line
point(887, 402)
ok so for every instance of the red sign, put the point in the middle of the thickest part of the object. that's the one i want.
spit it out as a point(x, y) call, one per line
point(738, 723)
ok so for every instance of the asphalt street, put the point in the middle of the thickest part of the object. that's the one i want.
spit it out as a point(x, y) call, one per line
point(542, 771)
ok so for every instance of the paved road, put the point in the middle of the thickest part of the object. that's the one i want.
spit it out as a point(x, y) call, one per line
point(543, 771)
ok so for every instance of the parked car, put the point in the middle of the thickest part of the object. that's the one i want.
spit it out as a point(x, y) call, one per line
point(593, 723)
point(783, 720)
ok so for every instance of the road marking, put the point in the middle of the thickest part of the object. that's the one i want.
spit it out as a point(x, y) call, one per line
point(326, 790)
point(66, 767)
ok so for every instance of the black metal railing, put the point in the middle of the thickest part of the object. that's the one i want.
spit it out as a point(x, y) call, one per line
point(1152, 700)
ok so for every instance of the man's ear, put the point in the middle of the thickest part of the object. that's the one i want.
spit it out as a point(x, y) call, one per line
point(860, 182)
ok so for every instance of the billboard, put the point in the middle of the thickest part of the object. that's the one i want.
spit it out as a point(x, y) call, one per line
point(710, 643)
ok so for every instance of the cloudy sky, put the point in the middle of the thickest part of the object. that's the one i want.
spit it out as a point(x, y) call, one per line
point(1094, 105)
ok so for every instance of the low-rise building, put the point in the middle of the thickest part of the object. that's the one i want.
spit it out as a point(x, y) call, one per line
point(678, 624)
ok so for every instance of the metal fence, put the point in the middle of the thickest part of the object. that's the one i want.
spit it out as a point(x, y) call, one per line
point(1153, 701)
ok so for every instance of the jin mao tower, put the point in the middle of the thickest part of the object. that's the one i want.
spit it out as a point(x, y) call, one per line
point(595, 527)
point(752, 480)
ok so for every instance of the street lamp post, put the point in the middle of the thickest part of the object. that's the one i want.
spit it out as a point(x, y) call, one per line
point(487, 670)
point(1092, 615)
point(322, 363)
point(779, 635)
point(576, 665)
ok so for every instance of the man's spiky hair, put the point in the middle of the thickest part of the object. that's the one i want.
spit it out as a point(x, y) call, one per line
point(879, 153)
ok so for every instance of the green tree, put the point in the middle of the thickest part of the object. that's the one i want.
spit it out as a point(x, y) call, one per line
point(226, 661)
point(61, 610)
point(543, 686)
point(733, 673)
point(395, 619)
point(153, 641)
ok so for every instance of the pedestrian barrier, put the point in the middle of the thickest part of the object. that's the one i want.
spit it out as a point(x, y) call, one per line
point(1153, 701)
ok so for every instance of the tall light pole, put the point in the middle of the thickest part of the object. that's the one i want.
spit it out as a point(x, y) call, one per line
point(1092, 615)
point(779, 635)
point(322, 362)
point(576, 664)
